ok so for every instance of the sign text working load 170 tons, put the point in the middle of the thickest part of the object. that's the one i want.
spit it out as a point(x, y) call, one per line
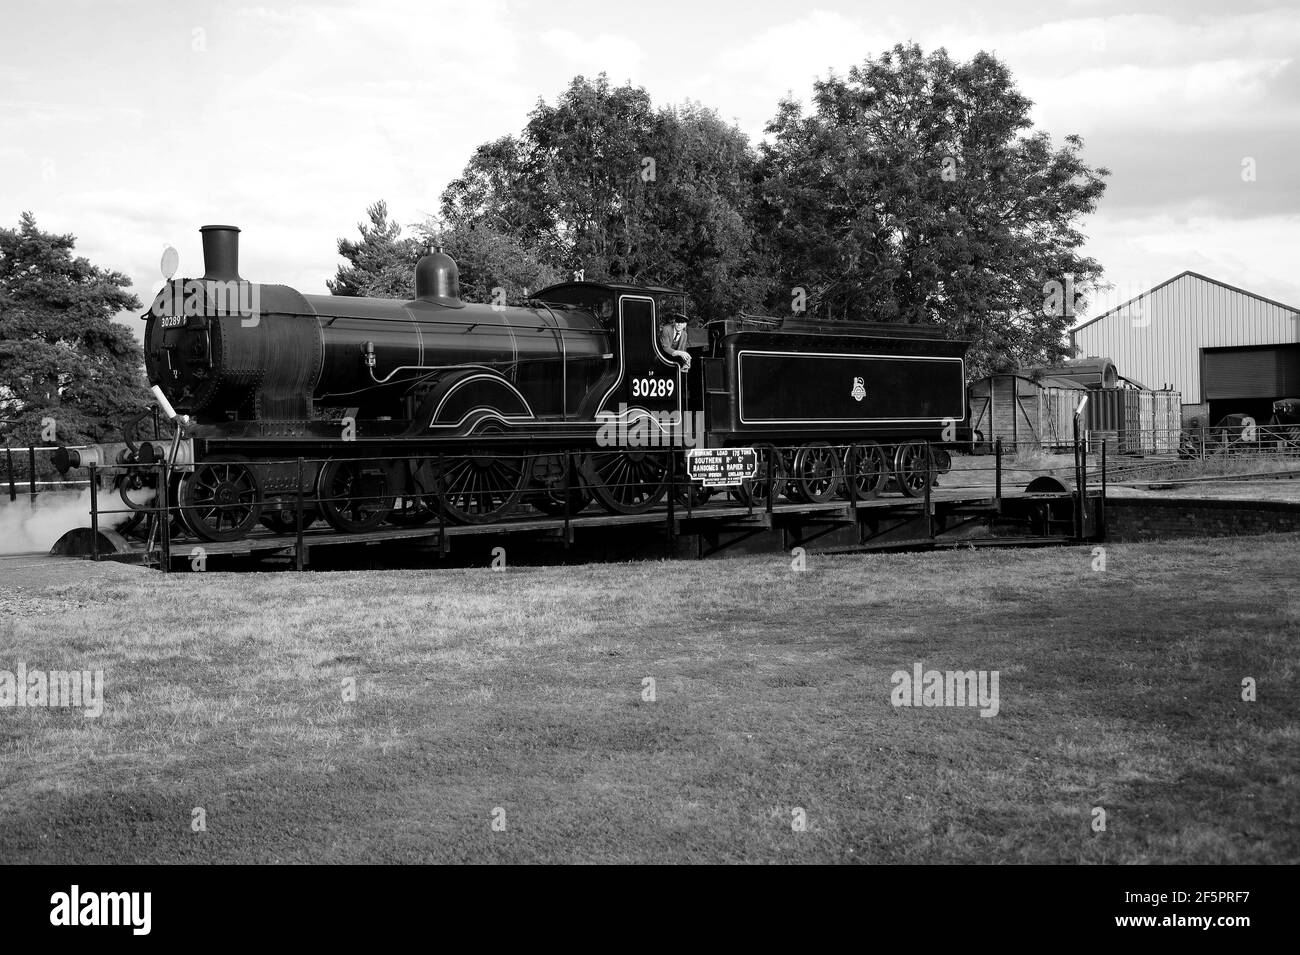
point(721, 467)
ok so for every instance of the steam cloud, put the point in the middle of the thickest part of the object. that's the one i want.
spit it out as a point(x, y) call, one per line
point(25, 526)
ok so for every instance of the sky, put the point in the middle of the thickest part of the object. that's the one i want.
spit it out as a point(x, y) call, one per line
point(131, 124)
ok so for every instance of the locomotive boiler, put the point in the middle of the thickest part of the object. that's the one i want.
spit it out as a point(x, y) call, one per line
point(224, 350)
point(393, 411)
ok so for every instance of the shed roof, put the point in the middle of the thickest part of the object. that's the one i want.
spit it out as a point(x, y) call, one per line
point(1195, 275)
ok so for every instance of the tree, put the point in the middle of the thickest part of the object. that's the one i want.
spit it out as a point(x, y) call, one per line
point(381, 264)
point(62, 358)
point(700, 208)
point(605, 184)
point(494, 266)
point(916, 191)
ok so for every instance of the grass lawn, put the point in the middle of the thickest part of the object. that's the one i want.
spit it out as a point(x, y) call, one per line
point(518, 696)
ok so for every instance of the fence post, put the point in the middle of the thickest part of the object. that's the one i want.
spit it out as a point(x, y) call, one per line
point(440, 489)
point(31, 473)
point(9, 461)
point(568, 463)
point(1101, 524)
point(1083, 488)
point(672, 497)
point(297, 547)
point(94, 513)
point(771, 477)
point(850, 478)
point(164, 520)
point(929, 475)
point(997, 471)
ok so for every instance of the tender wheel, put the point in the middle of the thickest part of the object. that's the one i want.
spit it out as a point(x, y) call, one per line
point(815, 476)
point(912, 469)
point(354, 495)
point(481, 488)
point(866, 467)
point(221, 499)
point(756, 491)
point(626, 482)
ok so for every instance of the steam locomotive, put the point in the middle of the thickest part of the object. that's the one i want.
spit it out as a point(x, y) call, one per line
point(391, 411)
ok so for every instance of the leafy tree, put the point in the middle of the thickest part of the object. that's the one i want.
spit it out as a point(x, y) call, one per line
point(701, 205)
point(916, 191)
point(603, 183)
point(567, 186)
point(61, 355)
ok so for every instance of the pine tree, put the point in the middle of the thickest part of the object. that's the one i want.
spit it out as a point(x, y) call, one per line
point(62, 357)
point(381, 264)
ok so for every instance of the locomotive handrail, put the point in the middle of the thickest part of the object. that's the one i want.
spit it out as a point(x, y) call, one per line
point(386, 378)
point(489, 329)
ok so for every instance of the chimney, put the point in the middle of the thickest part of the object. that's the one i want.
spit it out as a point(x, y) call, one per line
point(220, 253)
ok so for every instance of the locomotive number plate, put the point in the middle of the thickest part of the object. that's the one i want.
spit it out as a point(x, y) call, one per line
point(721, 467)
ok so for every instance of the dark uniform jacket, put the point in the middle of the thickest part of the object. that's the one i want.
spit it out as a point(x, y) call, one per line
point(671, 340)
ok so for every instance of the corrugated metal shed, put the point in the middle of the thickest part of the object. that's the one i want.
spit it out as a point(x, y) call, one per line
point(1158, 336)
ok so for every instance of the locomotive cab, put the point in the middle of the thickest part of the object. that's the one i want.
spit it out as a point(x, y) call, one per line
point(643, 382)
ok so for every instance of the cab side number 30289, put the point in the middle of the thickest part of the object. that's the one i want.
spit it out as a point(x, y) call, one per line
point(652, 387)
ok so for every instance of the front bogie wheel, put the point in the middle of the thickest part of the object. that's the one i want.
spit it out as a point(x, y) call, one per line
point(221, 499)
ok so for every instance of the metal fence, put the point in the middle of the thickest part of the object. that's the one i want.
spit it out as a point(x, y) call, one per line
point(28, 470)
point(435, 493)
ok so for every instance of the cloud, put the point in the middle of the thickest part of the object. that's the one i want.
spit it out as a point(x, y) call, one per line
point(1139, 252)
point(122, 124)
point(618, 56)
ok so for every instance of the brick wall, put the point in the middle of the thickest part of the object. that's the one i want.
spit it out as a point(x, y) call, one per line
point(1133, 519)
